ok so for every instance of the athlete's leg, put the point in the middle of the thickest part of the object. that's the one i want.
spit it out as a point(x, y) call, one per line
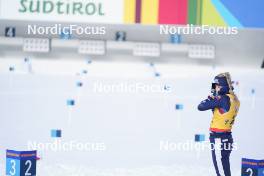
point(212, 141)
point(227, 143)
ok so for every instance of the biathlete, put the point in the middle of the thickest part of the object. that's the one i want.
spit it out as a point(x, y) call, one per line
point(225, 105)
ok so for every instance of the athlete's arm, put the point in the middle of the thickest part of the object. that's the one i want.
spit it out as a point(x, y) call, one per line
point(222, 102)
point(209, 103)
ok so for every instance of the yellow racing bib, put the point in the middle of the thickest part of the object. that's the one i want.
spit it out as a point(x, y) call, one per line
point(223, 122)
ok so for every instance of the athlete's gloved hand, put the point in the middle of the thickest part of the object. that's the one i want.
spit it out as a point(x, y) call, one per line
point(211, 97)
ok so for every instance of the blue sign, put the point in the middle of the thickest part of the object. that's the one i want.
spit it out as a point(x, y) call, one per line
point(179, 106)
point(21, 163)
point(199, 138)
point(79, 84)
point(26, 59)
point(120, 36)
point(70, 102)
point(252, 167)
point(157, 74)
point(55, 133)
point(89, 61)
point(11, 68)
point(175, 38)
point(10, 31)
point(65, 34)
point(151, 64)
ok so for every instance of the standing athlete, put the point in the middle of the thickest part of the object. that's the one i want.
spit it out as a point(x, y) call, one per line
point(225, 105)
